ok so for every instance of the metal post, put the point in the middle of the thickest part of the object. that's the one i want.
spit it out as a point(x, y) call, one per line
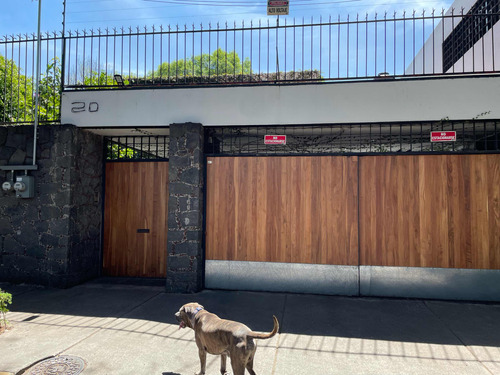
point(37, 88)
point(63, 57)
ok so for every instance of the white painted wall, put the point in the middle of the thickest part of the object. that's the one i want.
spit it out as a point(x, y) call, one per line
point(429, 60)
point(355, 102)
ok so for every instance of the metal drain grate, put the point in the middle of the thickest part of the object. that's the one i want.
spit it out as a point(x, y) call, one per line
point(60, 365)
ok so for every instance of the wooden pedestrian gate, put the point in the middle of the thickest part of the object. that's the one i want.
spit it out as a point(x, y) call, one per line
point(439, 211)
point(135, 219)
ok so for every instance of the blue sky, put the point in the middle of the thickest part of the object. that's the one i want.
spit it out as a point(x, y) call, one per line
point(20, 16)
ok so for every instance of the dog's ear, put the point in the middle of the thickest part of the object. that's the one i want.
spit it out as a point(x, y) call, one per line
point(192, 309)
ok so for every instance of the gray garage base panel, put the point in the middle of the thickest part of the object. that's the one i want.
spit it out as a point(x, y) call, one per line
point(282, 277)
point(432, 283)
point(375, 281)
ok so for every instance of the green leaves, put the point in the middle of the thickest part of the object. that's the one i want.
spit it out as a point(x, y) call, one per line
point(17, 93)
point(5, 299)
point(219, 62)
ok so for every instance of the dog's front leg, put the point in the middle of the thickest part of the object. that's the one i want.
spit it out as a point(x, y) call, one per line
point(223, 361)
point(203, 360)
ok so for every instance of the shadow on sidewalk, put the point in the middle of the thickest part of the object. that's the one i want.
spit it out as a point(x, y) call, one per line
point(401, 320)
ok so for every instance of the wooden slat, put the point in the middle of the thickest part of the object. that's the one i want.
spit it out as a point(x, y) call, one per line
point(282, 209)
point(430, 211)
point(136, 197)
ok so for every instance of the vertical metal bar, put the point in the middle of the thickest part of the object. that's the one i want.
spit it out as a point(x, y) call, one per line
point(201, 52)
point(376, 43)
point(338, 48)
point(433, 43)
point(357, 55)
point(4, 112)
point(423, 41)
point(348, 25)
point(122, 51)
point(442, 38)
point(453, 42)
point(330, 47)
point(168, 53)
point(294, 45)
point(19, 74)
point(99, 57)
point(303, 30)
point(234, 51)
point(493, 50)
point(153, 55)
point(385, 42)
point(76, 58)
point(129, 52)
point(404, 42)
point(69, 58)
point(472, 39)
point(177, 54)
point(192, 56)
point(251, 51)
point(84, 55)
point(25, 78)
point(312, 40)
point(55, 93)
point(482, 19)
point(390, 137)
point(320, 43)
point(92, 56)
point(185, 53)
point(209, 53)
point(259, 49)
point(366, 45)
point(285, 48)
point(413, 40)
point(268, 48)
point(226, 51)
point(242, 48)
point(395, 45)
point(145, 53)
point(137, 55)
point(161, 54)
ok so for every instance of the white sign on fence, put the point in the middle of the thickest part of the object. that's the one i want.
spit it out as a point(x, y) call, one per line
point(277, 7)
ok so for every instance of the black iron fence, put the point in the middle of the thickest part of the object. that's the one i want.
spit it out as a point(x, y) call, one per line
point(353, 139)
point(132, 148)
point(355, 48)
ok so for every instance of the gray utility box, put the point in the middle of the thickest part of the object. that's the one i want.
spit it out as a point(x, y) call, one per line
point(25, 187)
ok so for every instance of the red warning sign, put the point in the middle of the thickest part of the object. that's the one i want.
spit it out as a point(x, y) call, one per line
point(275, 139)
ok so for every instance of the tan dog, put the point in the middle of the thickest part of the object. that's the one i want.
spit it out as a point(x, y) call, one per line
point(222, 337)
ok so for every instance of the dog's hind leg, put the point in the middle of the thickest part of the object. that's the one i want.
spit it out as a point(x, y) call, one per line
point(249, 366)
point(237, 365)
point(203, 361)
point(223, 362)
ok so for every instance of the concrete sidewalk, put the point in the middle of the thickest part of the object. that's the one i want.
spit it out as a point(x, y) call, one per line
point(124, 329)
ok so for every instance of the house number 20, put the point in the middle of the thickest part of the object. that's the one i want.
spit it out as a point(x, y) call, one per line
point(78, 107)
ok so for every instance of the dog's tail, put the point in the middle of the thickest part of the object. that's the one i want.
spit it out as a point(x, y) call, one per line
point(268, 335)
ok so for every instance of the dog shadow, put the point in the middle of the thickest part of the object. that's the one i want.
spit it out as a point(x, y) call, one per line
point(170, 373)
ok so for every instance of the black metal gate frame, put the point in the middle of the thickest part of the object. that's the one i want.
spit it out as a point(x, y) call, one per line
point(472, 136)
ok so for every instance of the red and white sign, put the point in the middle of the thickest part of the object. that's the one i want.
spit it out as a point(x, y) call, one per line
point(275, 139)
point(443, 136)
point(277, 7)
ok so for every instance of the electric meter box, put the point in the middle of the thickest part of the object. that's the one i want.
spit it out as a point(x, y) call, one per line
point(25, 186)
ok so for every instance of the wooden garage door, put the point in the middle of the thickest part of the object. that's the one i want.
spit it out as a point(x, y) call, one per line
point(282, 209)
point(135, 219)
point(430, 211)
point(438, 211)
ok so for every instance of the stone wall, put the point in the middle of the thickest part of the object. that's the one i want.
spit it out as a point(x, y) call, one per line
point(54, 238)
point(185, 260)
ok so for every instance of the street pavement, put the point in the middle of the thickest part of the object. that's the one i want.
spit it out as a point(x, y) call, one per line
point(117, 328)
